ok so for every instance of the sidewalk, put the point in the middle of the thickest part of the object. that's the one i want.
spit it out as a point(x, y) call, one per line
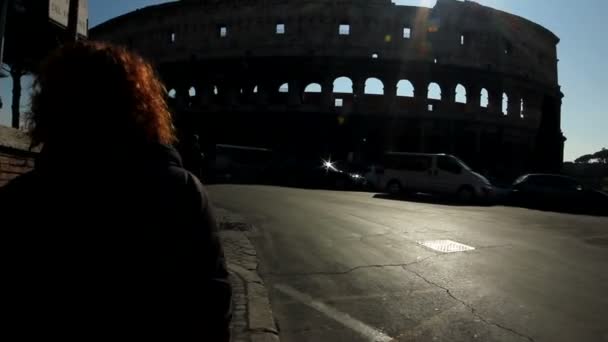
point(253, 319)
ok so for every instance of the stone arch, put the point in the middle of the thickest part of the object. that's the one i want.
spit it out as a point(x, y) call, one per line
point(343, 85)
point(374, 86)
point(313, 88)
point(505, 104)
point(485, 98)
point(312, 94)
point(461, 94)
point(284, 88)
point(245, 93)
point(405, 88)
point(434, 91)
point(172, 93)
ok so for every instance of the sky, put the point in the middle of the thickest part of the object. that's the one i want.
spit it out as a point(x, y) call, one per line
point(583, 70)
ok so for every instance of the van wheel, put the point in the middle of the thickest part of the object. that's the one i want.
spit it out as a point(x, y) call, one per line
point(394, 187)
point(466, 194)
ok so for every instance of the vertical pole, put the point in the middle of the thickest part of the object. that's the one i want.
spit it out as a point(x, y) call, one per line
point(16, 105)
point(73, 20)
point(3, 10)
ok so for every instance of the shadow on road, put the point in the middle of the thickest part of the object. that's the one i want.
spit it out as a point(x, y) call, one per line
point(501, 200)
point(431, 199)
point(573, 209)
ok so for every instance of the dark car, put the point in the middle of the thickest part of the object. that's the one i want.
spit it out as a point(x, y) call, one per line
point(313, 174)
point(548, 191)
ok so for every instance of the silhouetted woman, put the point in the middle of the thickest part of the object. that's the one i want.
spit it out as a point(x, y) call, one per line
point(109, 236)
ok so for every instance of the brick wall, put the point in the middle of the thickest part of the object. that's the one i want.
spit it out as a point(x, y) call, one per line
point(13, 164)
point(15, 155)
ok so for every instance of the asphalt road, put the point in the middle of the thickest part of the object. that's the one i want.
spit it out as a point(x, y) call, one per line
point(344, 266)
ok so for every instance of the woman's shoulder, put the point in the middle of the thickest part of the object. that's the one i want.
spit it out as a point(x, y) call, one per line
point(19, 191)
point(20, 185)
point(186, 183)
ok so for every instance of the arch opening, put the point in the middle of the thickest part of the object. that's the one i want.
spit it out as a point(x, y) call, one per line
point(485, 98)
point(343, 85)
point(434, 91)
point(313, 88)
point(461, 94)
point(284, 88)
point(312, 94)
point(405, 88)
point(374, 86)
point(505, 104)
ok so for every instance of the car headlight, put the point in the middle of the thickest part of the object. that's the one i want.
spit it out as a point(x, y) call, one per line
point(328, 165)
point(355, 176)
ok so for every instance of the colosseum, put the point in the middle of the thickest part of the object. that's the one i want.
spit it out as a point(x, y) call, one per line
point(355, 78)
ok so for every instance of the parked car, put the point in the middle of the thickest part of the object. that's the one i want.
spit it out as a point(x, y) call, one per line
point(430, 173)
point(557, 192)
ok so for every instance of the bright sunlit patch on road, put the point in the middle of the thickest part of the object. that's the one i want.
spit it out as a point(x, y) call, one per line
point(446, 246)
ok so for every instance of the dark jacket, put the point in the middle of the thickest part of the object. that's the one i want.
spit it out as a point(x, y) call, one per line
point(112, 244)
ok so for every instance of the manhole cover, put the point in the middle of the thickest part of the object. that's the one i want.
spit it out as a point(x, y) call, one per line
point(446, 246)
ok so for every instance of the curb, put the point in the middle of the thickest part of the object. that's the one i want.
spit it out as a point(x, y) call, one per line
point(253, 319)
point(261, 326)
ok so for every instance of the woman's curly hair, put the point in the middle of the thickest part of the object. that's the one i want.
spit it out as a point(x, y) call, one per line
point(93, 92)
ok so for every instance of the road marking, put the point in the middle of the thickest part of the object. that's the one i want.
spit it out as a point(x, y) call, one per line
point(446, 246)
point(341, 317)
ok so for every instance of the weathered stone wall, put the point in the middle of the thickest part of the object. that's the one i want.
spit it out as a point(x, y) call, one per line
point(225, 63)
point(15, 156)
point(12, 165)
point(493, 39)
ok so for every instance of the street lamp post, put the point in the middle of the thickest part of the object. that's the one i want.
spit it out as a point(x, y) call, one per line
point(73, 20)
point(3, 10)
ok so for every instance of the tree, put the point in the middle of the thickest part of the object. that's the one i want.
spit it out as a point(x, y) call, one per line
point(586, 159)
point(601, 156)
point(597, 157)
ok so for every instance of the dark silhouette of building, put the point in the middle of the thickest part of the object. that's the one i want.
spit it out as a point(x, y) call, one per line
point(262, 73)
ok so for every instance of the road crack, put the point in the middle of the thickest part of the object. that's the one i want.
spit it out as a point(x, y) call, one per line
point(350, 270)
point(370, 236)
point(469, 306)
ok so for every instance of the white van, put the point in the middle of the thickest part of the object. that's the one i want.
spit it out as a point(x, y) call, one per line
point(430, 173)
